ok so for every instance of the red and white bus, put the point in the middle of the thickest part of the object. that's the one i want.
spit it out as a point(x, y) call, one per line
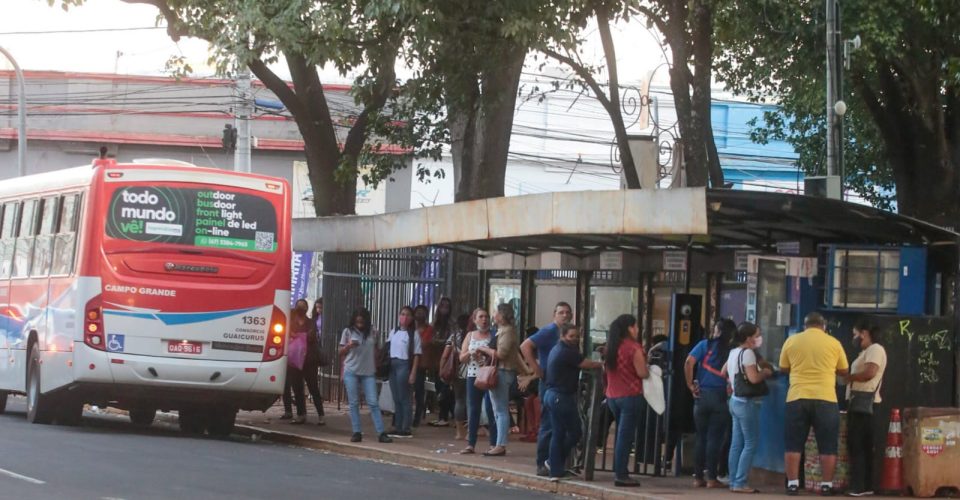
point(145, 287)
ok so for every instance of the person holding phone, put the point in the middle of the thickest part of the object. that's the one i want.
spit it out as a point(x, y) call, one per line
point(358, 350)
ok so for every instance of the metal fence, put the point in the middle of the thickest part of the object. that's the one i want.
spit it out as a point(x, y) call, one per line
point(383, 282)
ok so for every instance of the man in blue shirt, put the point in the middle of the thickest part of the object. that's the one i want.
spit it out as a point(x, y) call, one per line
point(710, 410)
point(536, 351)
point(563, 377)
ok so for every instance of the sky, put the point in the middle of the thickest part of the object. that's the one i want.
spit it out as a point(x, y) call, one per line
point(39, 38)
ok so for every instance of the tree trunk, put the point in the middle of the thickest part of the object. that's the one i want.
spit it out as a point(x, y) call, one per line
point(484, 176)
point(701, 38)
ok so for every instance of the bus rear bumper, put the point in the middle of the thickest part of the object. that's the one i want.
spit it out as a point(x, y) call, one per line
point(127, 380)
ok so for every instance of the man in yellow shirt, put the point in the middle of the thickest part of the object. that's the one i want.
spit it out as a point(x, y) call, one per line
point(813, 359)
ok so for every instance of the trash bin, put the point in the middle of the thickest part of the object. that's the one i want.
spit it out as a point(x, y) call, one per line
point(812, 475)
point(931, 455)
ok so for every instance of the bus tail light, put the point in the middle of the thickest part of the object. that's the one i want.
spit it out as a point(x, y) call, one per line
point(276, 336)
point(93, 325)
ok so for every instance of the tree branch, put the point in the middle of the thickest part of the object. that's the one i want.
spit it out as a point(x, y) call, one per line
point(173, 20)
point(382, 89)
point(584, 74)
point(655, 19)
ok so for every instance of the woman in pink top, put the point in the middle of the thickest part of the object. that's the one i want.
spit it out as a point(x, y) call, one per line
point(625, 368)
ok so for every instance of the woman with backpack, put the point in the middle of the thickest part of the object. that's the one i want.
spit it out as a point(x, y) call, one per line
point(405, 351)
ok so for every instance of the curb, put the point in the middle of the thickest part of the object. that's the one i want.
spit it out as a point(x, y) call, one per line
point(481, 472)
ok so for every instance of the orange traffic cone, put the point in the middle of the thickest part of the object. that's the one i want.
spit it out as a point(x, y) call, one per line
point(892, 479)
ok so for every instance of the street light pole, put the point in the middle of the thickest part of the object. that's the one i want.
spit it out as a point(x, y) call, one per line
point(21, 115)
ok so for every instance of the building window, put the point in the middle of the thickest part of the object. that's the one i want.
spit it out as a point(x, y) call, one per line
point(864, 279)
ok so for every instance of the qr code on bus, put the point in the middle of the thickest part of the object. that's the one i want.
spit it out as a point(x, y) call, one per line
point(264, 241)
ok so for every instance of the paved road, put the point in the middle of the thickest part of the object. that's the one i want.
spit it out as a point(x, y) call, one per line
point(106, 458)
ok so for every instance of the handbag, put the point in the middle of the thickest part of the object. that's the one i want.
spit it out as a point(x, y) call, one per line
point(743, 387)
point(862, 401)
point(449, 369)
point(297, 351)
point(486, 377)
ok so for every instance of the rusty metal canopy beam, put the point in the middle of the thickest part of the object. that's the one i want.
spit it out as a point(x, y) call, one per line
point(589, 222)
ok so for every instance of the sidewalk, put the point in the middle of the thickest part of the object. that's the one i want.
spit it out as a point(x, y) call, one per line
point(433, 448)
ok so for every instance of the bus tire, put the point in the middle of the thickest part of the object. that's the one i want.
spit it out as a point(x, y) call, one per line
point(3, 401)
point(221, 421)
point(142, 417)
point(39, 406)
point(192, 421)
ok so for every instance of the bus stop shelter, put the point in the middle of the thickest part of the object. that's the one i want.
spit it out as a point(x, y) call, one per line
point(695, 236)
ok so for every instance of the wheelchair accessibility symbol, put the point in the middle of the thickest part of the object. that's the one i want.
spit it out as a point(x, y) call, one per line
point(115, 343)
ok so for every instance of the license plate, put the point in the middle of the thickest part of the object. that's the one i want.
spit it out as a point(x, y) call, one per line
point(178, 347)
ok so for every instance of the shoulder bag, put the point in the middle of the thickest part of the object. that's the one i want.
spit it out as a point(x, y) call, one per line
point(862, 401)
point(486, 377)
point(743, 387)
point(449, 369)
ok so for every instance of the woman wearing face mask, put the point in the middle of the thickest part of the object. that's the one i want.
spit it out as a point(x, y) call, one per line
point(472, 354)
point(863, 391)
point(706, 381)
point(405, 351)
point(745, 410)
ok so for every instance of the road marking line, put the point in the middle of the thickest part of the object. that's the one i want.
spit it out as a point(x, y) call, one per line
point(21, 477)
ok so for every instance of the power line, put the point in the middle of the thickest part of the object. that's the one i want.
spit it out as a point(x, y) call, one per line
point(91, 30)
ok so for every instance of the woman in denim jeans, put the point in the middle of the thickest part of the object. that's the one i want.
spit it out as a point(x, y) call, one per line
point(510, 365)
point(405, 351)
point(626, 367)
point(745, 411)
point(472, 354)
point(710, 412)
point(358, 350)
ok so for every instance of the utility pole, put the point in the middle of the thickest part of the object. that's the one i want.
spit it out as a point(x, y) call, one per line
point(241, 157)
point(21, 116)
point(832, 69)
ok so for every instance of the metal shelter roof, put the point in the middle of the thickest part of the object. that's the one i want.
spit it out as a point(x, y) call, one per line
point(589, 222)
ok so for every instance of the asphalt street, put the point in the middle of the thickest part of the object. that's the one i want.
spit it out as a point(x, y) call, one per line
point(107, 458)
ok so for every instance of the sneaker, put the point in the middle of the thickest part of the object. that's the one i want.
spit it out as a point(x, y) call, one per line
point(867, 493)
point(826, 491)
point(402, 435)
point(543, 471)
point(627, 482)
point(793, 490)
point(286, 416)
point(384, 438)
point(356, 437)
point(299, 419)
point(321, 421)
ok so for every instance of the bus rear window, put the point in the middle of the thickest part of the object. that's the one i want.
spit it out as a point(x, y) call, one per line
point(212, 218)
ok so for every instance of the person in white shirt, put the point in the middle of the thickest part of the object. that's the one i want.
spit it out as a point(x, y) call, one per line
point(864, 381)
point(745, 410)
point(404, 359)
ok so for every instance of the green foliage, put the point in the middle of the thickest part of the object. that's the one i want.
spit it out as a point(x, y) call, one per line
point(774, 48)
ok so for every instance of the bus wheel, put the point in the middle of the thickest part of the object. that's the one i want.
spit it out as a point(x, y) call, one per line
point(142, 417)
point(221, 422)
point(3, 401)
point(70, 412)
point(38, 405)
point(192, 421)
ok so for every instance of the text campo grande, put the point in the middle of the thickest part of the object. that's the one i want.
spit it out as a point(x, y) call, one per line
point(160, 292)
